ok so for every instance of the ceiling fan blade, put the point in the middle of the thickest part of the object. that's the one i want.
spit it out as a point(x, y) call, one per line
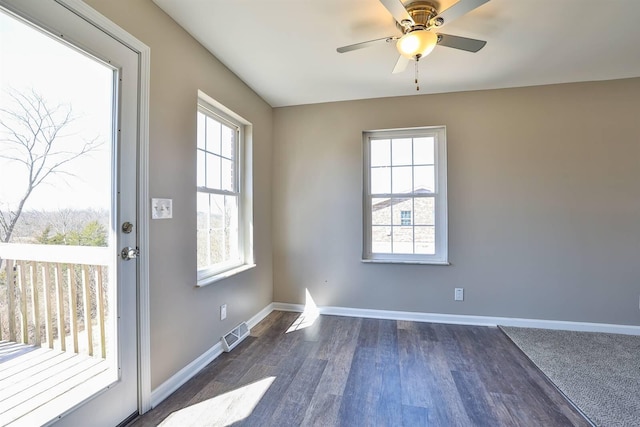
point(397, 10)
point(462, 43)
point(362, 45)
point(462, 7)
point(401, 65)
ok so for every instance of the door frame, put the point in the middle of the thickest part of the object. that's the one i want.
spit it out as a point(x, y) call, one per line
point(143, 210)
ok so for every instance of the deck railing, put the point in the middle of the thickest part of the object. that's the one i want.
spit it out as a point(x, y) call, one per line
point(55, 296)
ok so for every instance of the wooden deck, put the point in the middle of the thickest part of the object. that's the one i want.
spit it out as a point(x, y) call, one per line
point(36, 383)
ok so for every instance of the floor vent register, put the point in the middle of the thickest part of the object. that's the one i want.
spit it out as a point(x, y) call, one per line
point(235, 337)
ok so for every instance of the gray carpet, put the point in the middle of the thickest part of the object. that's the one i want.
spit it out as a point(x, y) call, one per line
point(599, 373)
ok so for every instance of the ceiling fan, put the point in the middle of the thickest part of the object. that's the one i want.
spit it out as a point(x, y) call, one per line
point(418, 21)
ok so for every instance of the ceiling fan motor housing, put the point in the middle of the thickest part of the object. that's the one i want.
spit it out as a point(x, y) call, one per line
point(422, 12)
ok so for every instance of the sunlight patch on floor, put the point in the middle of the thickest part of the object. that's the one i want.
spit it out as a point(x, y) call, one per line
point(223, 410)
point(308, 316)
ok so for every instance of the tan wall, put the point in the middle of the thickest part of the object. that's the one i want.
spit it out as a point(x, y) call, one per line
point(185, 319)
point(544, 204)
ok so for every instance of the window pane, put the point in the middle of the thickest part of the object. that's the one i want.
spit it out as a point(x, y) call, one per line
point(202, 233)
point(405, 217)
point(215, 246)
point(213, 135)
point(216, 210)
point(398, 206)
point(231, 228)
point(381, 211)
point(227, 175)
point(425, 240)
point(381, 240)
point(201, 130)
point(380, 180)
point(401, 151)
point(380, 152)
point(223, 244)
point(200, 182)
point(228, 141)
point(213, 171)
point(424, 211)
point(216, 229)
point(401, 180)
point(423, 153)
point(402, 240)
point(424, 179)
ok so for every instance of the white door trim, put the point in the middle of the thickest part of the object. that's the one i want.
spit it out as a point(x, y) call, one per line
point(144, 319)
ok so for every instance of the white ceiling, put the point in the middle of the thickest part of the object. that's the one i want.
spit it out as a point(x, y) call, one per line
point(285, 50)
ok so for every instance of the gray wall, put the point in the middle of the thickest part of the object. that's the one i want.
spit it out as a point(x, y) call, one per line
point(544, 204)
point(185, 319)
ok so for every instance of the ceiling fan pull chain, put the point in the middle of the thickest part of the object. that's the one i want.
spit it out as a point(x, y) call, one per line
point(416, 73)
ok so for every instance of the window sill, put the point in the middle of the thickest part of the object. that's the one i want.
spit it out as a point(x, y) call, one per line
point(209, 280)
point(404, 261)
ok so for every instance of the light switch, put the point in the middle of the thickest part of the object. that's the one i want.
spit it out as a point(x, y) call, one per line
point(161, 208)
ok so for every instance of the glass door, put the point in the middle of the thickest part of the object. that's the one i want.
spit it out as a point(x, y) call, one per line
point(68, 144)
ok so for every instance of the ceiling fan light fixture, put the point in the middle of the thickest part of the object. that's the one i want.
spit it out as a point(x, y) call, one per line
point(417, 43)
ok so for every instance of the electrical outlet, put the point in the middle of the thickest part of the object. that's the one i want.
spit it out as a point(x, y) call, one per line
point(458, 294)
point(223, 311)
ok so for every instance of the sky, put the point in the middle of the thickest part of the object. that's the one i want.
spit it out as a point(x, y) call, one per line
point(30, 59)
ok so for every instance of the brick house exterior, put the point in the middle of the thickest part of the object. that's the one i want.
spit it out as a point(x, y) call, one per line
point(403, 225)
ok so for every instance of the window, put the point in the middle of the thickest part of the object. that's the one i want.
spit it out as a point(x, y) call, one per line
point(223, 240)
point(405, 217)
point(405, 196)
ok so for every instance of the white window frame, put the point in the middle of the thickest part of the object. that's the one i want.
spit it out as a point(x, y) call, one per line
point(244, 187)
point(441, 255)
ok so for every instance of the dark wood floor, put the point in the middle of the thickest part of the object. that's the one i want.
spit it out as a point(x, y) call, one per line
point(367, 372)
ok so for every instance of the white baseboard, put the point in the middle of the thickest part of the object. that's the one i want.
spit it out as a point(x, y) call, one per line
point(261, 315)
point(185, 374)
point(461, 319)
point(283, 306)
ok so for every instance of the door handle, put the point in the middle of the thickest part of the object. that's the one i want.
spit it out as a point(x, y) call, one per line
point(127, 227)
point(129, 253)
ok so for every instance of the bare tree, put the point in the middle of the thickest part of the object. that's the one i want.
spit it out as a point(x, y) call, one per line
point(30, 135)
